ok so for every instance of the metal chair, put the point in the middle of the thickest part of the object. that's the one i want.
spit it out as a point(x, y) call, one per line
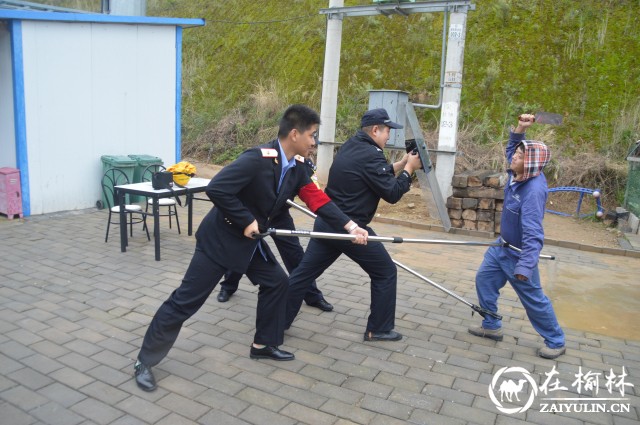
point(111, 178)
point(170, 203)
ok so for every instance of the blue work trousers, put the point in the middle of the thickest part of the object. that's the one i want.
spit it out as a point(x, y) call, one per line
point(494, 272)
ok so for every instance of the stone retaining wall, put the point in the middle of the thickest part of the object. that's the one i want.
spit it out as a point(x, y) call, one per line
point(476, 203)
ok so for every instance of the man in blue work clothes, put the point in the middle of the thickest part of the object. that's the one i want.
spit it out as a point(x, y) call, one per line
point(291, 253)
point(525, 197)
point(359, 177)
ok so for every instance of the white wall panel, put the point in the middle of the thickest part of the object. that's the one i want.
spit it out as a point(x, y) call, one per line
point(57, 79)
point(114, 91)
point(156, 82)
point(93, 89)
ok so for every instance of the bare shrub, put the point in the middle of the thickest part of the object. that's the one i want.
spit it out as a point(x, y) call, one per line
point(588, 169)
point(593, 171)
point(217, 139)
point(256, 123)
point(476, 156)
point(252, 124)
point(267, 99)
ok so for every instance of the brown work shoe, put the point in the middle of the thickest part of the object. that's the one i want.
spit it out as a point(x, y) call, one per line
point(551, 353)
point(494, 334)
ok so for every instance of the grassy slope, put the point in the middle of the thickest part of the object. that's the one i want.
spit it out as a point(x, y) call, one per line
point(579, 58)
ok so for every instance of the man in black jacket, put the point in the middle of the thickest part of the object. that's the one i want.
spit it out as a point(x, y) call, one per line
point(359, 177)
point(246, 194)
point(291, 253)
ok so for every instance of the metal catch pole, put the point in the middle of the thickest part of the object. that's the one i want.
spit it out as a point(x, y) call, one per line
point(476, 308)
point(481, 311)
point(393, 239)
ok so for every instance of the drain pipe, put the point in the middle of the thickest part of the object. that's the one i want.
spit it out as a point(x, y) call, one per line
point(442, 65)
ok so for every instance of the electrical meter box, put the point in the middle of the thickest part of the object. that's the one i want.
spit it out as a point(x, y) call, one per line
point(395, 102)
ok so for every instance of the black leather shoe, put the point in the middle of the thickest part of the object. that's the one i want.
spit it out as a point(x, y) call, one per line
point(144, 377)
point(224, 295)
point(322, 304)
point(270, 352)
point(382, 336)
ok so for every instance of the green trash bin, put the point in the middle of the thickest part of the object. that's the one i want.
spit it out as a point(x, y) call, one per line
point(120, 162)
point(142, 162)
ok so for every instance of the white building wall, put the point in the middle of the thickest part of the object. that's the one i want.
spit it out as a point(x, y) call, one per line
point(94, 89)
point(7, 130)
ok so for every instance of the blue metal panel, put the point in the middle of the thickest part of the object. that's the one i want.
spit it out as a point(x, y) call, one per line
point(178, 94)
point(7, 14)
point(19, 113)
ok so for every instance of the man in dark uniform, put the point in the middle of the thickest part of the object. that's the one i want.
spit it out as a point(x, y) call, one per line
point(359, 177)
point(246, 195)
point(291, 253)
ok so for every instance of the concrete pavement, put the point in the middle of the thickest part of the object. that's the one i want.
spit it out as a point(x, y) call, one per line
point(73, 311)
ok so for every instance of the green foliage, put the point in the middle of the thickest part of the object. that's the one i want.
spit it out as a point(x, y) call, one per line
point(574, 58)
point(84, 5)
point(579, 59)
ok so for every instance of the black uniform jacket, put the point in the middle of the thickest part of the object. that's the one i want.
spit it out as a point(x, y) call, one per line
point(246, 190)
point(360, 176)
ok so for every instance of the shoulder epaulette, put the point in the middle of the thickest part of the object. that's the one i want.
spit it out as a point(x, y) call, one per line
point(269, 153)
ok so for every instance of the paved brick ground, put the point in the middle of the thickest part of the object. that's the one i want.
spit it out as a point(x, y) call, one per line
point(73, 311)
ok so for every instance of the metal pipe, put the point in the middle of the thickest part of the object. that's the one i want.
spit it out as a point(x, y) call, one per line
point(301, 208)
point(481, 311)
point(442, 65)
point(349, 237)
point(392, 239)
point(515, 248)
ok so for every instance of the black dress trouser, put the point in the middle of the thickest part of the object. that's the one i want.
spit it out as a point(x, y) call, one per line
point(199, 281)
point(291, 253)
point(374, 260)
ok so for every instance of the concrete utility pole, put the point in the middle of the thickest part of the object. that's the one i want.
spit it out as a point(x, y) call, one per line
point(127, 7)
point(448, 136)
point(329, 104)
point(452, 83)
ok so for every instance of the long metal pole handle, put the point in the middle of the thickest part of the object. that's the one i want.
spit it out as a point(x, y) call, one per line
point(300, 208)
point(311, 214)
point(440, 287)
point(392, 239)
point(481, 311)
point(543, 256)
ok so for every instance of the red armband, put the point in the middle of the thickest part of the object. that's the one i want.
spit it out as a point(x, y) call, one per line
point(313, 197)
